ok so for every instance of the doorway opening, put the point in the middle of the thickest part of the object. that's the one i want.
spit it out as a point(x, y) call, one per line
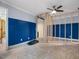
point(3, 29)
point(40, 30)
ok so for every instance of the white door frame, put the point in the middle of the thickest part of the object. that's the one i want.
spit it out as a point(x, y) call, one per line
point(5, 40)
point(40, 28)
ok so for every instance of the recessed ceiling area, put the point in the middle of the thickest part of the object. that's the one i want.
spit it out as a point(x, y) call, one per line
point(36, 7)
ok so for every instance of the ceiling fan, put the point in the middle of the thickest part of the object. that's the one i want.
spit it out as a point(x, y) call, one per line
point(40, 17)
point(55, 9)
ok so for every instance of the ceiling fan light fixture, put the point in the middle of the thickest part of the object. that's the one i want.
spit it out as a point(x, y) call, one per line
point(53, 12)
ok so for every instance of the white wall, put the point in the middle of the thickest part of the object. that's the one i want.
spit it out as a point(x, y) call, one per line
point(17, 14)
point(69, 18)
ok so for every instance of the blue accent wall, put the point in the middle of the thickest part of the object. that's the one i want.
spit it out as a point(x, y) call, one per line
point(53, 30)
point(19, 29)
point(75, 30)
point(68, 30)
point(57, 30)
point(62, 30)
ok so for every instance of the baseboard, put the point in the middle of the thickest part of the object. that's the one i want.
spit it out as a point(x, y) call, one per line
point(59, 38)
point(17, 45)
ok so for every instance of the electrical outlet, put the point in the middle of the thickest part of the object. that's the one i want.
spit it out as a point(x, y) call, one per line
point(21, 39)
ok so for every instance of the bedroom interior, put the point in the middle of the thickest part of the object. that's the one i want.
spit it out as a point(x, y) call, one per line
point(39, 29)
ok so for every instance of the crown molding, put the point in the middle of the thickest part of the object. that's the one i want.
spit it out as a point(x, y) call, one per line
point(21, 9)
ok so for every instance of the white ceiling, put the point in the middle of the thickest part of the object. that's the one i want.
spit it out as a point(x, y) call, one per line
point(39, 6)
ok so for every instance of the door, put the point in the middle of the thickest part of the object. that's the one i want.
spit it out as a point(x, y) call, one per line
point(40, 29)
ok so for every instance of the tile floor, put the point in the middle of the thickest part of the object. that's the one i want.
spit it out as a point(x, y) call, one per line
point(54, 50)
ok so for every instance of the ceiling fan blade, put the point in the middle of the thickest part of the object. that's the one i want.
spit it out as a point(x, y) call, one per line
point(59, 6)
point(41, 17)
point(60, 10)
point(50, 9)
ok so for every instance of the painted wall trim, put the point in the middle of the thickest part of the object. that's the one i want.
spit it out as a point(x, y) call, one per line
point(59, 38)
point(31, 13)
point(6, 29)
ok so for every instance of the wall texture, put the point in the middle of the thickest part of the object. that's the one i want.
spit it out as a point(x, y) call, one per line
point(17, 14)
point(20, 31)
point(21, 25)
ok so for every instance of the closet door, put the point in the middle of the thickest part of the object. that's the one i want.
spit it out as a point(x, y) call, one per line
point(68, 30)
point(57, 30)
point(75, 31)
point(62, 30)
point(68, 27)
point(53, 31)
point(75, 26)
